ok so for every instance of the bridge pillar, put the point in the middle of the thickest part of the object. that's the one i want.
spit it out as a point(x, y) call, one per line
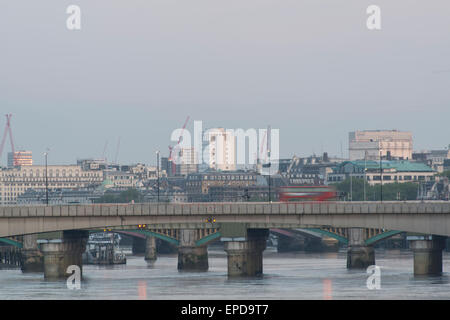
point(245, 256)
point(59, 254)
point(427, 254)
point(32, 257)
point(359, 255)
point(138, 246)
point(190, 256)
point(150, 249)
point(287, 244)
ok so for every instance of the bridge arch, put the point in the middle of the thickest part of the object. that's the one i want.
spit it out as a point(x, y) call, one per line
point(341, 238)
point(11, 242)
point(164, 236)
point(382, 236)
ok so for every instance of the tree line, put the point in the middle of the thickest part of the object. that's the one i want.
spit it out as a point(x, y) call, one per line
point(391, 191)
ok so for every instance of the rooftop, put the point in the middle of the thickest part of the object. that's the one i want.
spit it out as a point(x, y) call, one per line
point(398, 165)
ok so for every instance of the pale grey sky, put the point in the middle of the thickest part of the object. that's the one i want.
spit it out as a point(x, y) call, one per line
point(138, 68)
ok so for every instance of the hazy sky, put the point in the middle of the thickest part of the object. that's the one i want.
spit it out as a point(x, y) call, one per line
point(138, 68)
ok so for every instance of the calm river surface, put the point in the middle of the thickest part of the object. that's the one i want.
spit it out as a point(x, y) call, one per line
point(286, 276)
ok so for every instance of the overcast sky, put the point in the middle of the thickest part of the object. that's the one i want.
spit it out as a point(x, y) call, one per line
point(138, 68)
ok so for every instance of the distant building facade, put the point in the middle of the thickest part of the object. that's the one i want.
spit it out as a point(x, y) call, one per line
point(188, 162)
point(20, 158)
point(92, 164)
point(437, 159)
point(15, 181)
point(59, 196)
point(399, 171)
point(242, 194)
point(390, 144)
point(120, 179)
point(222, 149)
point(197, 185)
point(311, 170)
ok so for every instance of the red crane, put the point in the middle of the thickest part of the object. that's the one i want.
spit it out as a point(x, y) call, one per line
point(261, 149)
point(171, 148)
point(8, 130)
point(263, 142)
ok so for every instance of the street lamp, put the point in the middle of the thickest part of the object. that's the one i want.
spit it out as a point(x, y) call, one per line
point(270, 197)
point(157, 170)
point(365, 177)
point(381, 179)
point(351, 184)
point(46, 179)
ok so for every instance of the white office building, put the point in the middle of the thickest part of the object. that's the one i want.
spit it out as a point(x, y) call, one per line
point(371, 144)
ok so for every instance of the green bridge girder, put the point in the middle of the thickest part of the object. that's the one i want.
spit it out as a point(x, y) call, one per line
point(200, 242)
point(216, 235)
point(370, 241)
point(330, 234)
point(382, 236)
point(208, 238)
point(157, 235)
point(11, 242)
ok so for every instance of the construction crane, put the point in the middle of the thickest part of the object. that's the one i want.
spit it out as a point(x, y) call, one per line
point(8, 130)
point(117, 152)
point(261, 149)
point(104, 152)
point(294, 162)
point(175, 146)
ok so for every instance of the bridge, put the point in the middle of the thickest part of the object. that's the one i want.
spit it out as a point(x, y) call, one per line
point(243, 226)
point(420, 217)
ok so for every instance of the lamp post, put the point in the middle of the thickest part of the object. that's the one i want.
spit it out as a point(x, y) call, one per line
point(46, 179)
point(381, 179)
point(365, 177)
point(351, 185)
point(157, 170)
point(270, 197)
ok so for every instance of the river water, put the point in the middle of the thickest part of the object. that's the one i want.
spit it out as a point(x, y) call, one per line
point(286, 276)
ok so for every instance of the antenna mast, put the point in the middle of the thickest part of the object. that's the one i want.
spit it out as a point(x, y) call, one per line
point(8, 130)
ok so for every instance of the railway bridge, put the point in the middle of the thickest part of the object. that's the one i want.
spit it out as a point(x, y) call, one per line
point(242, 226)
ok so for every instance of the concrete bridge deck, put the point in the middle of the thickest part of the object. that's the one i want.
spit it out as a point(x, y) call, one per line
point(430, 217)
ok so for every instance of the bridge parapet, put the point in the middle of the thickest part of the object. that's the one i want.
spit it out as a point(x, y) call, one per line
point(224, 209)
point(426, 217)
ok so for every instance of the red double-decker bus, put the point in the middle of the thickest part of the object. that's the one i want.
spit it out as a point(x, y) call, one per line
point(307, 193)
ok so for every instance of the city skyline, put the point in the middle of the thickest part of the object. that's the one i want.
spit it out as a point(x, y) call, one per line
point(136, 70)
point(112, 148)
point(224, 150)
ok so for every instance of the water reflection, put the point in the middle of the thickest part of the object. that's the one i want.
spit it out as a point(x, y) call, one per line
point(142, 290)
point(327, 289)
point(286, 276)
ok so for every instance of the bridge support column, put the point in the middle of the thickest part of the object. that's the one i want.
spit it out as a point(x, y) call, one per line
point(190, 256)
point(32, 257)
point(138, 246)
point(427, 254)
point(359, 255)
point(245, 257)
point(59, 254)
point(150, 249)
